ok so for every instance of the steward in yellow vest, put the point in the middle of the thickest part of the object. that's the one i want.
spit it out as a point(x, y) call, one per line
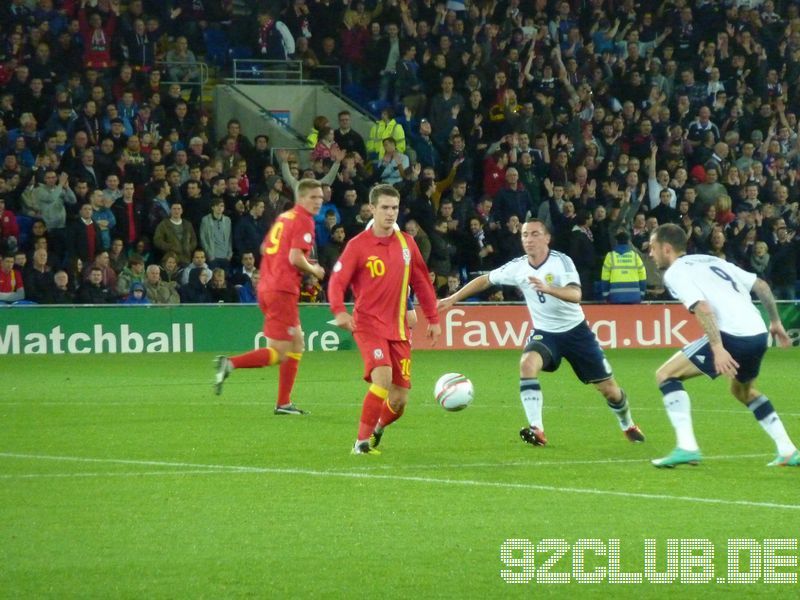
point(385, 128)
point(623, 279)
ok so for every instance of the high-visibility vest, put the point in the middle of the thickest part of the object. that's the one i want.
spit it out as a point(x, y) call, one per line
point(623, 278)
point(379, 132)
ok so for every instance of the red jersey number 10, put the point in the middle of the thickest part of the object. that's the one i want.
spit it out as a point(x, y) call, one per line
point(377, 268)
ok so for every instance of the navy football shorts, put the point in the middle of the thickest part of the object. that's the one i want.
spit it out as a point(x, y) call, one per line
point(747, 350)
point(578, 346)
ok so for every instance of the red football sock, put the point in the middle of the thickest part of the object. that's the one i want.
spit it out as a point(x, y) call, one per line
point(389, 416)
point(263, 357)
point(288, 374)
point(371, 411)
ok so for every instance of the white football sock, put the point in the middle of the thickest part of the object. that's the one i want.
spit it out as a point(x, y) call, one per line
point(530, 392)
point(679, 411)
point(769, 420)
point(622, 411)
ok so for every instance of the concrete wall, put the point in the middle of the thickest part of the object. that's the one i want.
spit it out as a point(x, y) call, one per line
point(252, 104)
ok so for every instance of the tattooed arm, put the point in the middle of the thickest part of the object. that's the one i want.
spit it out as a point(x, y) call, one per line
point(761, 289)
point(723, 361)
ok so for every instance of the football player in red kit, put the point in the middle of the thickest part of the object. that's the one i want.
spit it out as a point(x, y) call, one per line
point(284, 259)
point(379, 265)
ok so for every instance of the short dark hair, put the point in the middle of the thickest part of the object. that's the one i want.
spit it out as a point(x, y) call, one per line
point(544, 225)
point(672, 234)
point(155, 187)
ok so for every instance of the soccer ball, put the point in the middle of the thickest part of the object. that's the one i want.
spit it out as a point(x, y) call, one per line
point(453, 391)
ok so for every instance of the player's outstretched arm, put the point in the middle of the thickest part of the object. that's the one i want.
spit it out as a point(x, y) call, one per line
point(764, 294)
point(723, 361)
point(475, 286)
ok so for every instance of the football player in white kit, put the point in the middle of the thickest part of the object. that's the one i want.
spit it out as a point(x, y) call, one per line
point(735, 340)
point(551, 286)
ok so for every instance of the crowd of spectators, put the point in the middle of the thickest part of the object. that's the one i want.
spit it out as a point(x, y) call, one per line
point(600, 118)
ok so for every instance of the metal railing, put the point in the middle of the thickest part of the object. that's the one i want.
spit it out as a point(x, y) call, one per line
point(199, 81)
point(249, 70)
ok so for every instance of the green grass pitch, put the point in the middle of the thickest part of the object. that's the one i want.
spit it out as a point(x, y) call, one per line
point(125, 477)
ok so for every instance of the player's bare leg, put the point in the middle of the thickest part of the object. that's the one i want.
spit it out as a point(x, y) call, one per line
point(617, 401)
point(530, 393)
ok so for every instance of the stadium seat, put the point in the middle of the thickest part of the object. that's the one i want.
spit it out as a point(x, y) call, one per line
point(217, 46)
point(376, 106)
point(357, 93)
point(25, 225)
point(240, 52)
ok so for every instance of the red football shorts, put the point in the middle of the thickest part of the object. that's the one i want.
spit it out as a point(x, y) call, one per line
point(379, 352)
point(281, 315)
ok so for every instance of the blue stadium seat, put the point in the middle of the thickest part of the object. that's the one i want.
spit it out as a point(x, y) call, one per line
point(25, 225)
point(240, 52)
point(357, 93)
point(376, 106)
point(217, 46)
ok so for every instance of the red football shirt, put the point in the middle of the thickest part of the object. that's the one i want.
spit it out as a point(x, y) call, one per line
point(292, 229)
point(379, 271)
point(11, 281)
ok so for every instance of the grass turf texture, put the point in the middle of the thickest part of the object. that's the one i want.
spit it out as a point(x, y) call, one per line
point(124, 476)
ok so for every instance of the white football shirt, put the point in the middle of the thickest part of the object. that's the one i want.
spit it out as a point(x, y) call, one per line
point(726, 288)
point(547, 312)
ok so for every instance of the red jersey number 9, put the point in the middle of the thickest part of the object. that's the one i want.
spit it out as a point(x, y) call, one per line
point(377, 268)
point(274, 238)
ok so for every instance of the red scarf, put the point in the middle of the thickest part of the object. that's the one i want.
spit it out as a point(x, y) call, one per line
point(131, 223)
point(90, 239)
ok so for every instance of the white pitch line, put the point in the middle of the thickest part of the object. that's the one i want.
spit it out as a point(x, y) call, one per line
point(545, 463)
point(549, 463)
point(222, 469)
point(115, 474)
point(414, 479)
point(123, 461)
